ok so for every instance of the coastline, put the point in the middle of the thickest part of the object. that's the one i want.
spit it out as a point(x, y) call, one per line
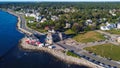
point(58, 54)
point(18, 24)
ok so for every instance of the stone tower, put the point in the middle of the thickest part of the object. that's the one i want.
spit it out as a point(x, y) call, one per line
point(60, 36)
point(49, 38)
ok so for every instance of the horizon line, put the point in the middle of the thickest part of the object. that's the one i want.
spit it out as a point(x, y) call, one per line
point(60, 1)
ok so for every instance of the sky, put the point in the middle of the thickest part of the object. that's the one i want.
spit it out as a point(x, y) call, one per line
point(62, 0)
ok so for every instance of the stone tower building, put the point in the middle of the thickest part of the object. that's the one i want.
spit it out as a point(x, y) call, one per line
point(49, 38)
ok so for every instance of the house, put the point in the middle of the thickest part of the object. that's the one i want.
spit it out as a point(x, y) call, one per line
point(39, 44)
point(27, 14)
point(43, 20)
point(89, 22)
point(39, 18)
point(54, 18)
point(108, 26)
point(30, 15)
point(112, 12)
point(30, 21)
point(51, 31)
point(118, 25)
point(105, 28)
point(67, 25)
point(66, 10)
point(111, 25)
point(31, 40)
point(118, 39)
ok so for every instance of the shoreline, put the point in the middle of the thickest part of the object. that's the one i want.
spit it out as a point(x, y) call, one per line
point(18, 22)
point(59, 55)
point(56, 53)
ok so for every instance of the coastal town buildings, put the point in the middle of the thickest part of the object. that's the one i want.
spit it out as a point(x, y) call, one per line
point(89, 22)
point(54, 18)
point(30, 21)
point(118, 25)
point(112, 12)
point(51, 31)
point(43, 20)
point(39, 18)
point(67, 25)
point(30, 15)
point(108, 26)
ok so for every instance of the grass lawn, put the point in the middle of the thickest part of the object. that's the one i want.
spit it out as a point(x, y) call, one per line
point(106, 50)
point(69, 32)
point(69, 53)
point(29, 18)
point(114, 31)
point(33, 25)
point(90, 36)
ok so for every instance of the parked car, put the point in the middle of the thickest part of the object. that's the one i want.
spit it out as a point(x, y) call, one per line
point(113, 67)
point(97, 62)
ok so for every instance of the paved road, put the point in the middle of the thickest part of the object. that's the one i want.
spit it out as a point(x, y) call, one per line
point(23, 26)
point(80, 52)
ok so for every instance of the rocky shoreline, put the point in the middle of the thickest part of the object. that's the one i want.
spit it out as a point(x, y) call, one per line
point(56, 53)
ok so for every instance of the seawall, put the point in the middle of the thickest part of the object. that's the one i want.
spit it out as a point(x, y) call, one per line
point(59, 54)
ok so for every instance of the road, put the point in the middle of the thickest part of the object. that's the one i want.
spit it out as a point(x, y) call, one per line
point(24, 26)
point(81, 52)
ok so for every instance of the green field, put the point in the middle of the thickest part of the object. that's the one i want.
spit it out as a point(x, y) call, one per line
point(33, 25)
point(106, 50)
point(29, 18)
point(90, 36)
point(69, 32)
point(114, 31)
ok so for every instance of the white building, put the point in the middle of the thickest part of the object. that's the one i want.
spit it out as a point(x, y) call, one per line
point(43, 20)
point(108, 26)
point(118, 25)
point(51, 31)
point(118, 39)
point(30, 21)
point(67, 25)
point(88, 22)
point(54, 18)
point(113, 14)
point(30, 15)
point(105, 28)
point(66, 10)
point(39, 18)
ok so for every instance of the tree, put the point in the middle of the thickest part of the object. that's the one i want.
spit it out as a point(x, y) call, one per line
point(75, 28)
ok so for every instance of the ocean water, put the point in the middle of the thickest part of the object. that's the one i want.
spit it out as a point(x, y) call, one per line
point(12, 56)
point(9, 35)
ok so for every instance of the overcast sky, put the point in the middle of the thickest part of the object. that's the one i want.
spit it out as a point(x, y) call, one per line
point(64, 0)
